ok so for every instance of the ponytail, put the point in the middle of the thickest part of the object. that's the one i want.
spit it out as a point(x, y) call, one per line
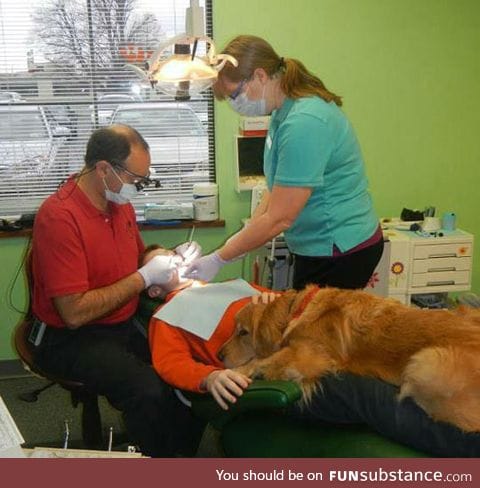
point(297, 82)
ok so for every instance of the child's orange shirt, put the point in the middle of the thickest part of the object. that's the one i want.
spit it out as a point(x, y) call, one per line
point(183, 359)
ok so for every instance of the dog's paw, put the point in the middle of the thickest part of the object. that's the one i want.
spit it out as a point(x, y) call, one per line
point(257, 375)
point(251, 370)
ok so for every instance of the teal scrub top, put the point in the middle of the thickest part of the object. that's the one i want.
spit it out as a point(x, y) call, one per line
point(311, 143)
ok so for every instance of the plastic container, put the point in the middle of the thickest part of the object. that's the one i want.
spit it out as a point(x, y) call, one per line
point(448, 221)
point(205, 201)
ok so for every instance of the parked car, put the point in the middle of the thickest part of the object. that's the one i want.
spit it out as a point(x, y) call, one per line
point(28, 150)
point(62, 116)
point(11, 97)
point(107, 104)
point(177, 138)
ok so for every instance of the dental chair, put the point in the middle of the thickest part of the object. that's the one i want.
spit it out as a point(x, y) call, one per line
point(255, 426)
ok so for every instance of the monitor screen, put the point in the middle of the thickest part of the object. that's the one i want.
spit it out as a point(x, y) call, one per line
point(250, 155)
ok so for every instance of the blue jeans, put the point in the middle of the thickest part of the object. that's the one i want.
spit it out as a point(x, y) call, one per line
point(351, 399)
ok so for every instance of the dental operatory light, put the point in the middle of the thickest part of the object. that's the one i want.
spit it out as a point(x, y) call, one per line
point(185, 73)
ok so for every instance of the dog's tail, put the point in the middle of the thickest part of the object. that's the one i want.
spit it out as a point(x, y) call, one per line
point(445, 382)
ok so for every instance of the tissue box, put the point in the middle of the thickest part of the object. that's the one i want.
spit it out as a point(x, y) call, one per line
point(168, 211)
point(254, 126)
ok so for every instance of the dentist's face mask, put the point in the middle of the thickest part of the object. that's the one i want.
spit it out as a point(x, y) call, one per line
point(125, 194)
point(244, 106)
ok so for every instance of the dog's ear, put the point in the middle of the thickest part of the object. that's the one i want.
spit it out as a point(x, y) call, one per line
point(332, 312)
point(269, 322)
point(245, 316)
point(249, 318)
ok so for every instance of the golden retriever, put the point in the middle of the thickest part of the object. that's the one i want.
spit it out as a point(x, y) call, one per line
point(432, 355)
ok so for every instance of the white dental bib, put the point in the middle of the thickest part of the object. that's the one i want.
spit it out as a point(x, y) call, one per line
point(199, 309)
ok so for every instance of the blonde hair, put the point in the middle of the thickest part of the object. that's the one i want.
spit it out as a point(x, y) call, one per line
point(253, 52)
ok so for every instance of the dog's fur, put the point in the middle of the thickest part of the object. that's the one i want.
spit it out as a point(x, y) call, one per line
point(432, 355)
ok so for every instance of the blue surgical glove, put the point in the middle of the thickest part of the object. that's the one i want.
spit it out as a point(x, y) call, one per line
point(189, 251)
point(205, 268)
point(159, 270)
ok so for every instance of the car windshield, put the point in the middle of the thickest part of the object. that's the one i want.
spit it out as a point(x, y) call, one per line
point(161, 122)
point(115, 98)
point(22, 125)
point(10, 97)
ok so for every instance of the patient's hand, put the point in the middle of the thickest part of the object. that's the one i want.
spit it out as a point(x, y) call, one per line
point(265, 297)
point(226, 385)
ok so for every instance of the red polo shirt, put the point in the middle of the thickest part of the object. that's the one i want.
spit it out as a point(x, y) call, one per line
point(77, 248)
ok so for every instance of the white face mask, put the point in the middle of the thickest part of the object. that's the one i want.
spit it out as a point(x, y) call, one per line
point(251, 108)
point(125, 194)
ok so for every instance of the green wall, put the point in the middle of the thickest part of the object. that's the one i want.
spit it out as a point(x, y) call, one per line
point(409, 72)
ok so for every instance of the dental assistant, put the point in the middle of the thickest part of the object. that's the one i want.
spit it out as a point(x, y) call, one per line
point(317, 187)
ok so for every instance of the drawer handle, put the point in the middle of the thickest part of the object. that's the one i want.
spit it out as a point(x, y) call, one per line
point(443, 255)
point(452, 268)
point(440, 283)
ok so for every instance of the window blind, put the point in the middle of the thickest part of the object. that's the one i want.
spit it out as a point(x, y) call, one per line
point(65, 71)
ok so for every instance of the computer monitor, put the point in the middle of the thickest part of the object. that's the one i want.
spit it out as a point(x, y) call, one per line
point(249, 161)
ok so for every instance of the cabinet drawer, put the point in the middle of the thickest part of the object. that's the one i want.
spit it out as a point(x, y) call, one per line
point(441, 264)
point(441, 279)
point(443, 250)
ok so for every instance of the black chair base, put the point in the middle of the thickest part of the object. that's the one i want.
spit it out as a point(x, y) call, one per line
point(92, 434)
point(32, 396)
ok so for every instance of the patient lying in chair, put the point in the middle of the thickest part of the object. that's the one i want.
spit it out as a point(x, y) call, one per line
point(183, 358)
point(188, 359)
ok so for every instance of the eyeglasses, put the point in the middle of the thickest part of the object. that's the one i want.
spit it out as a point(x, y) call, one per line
point(238, 90)
point(139, 181)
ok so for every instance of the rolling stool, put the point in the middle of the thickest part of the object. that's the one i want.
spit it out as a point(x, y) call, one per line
point(91, 422)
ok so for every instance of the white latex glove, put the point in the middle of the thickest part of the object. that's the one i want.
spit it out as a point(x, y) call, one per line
point(159, 270)
point(189, 251)
point(226, 385)
point(205, 268)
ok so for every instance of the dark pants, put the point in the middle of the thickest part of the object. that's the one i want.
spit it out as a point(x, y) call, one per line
point(351, 399)
point(113, 361)
point(351, 271)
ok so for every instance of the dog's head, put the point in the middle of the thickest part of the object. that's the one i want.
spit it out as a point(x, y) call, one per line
point(258, 331)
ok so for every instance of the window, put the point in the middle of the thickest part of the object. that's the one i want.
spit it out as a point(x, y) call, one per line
point(65, 69)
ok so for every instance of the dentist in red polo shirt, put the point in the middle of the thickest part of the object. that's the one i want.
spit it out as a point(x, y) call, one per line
point(86, 281)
